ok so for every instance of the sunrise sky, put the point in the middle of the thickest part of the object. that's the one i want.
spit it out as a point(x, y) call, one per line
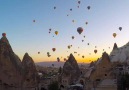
point(104, 18)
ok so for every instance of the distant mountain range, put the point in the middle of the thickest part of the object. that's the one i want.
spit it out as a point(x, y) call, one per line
point(56, 64)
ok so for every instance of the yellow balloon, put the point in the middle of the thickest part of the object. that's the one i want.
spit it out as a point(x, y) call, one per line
point(56, 32)
point(114, 35)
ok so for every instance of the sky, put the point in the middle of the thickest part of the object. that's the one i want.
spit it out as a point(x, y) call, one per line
point(104, 18)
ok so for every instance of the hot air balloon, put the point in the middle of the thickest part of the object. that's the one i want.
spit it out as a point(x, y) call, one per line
point(67, 14)
point(38, 52)
point(53, 49)
point(86, 23)
point(78, 6)
point(73, 21)
point(75, 52)
point(88, 7)
point(88, 44)
point(72, 37)
point(54, 7)
point(83, 56)
point(114, 35)
point(49, 32)
point(79, 2)
point(48, 55)
point(95, 51)
point(58, 59)
point(84, 36)
point(4, 34)
point(69, 47)
point(82, 40)
point(56, 32)
point(79, 30)
point(71, 9)
point(50, 29)
point(33, 20)
point(120, 28)
point(65, 59)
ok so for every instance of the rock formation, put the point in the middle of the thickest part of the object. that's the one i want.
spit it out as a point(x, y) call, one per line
point(13, 72)
point(71, 69)
point(29, 72)
point(10, 64)
point(92, 64)
point(115, 46)
point(102, 69)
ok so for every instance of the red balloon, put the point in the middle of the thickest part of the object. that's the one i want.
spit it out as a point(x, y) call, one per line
point(53, 49)
point(65, 59)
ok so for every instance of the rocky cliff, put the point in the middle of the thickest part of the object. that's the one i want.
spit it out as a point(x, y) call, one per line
point(13, 72)
point(71, 69)
point(10, 64)
point(29, 72)
point(103, 69)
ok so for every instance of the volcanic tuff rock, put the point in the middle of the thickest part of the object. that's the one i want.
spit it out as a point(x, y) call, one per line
point(71, 69)
point(10, 64)
point(29, 72)
point(13, 72)
point(115, 46)
point(102, 69)
point(92, 64)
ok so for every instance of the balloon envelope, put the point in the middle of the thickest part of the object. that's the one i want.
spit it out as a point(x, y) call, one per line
point(56, 32)
point(120, 28)
point(114, 35)
point(72, 37)
point(88, 7)
point(53, 49)
point(95, 51)
point(79, 30)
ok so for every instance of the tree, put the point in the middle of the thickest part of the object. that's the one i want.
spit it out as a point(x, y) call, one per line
point(53, 86)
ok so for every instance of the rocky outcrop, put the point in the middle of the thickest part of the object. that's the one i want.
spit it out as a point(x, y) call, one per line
point(29, 72)
point(92, 64)
point(10, 64)
point(102, 69)
point(115, 46)
point(71, 69)
point(14, 73)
